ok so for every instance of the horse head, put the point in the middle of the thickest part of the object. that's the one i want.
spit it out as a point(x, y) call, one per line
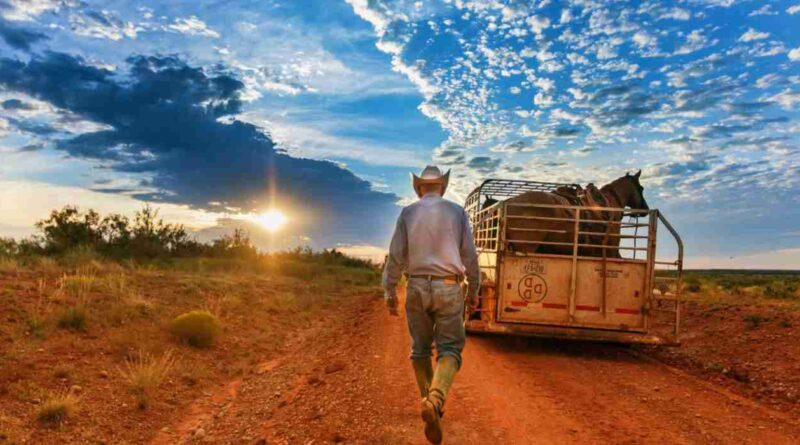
point(629, 191)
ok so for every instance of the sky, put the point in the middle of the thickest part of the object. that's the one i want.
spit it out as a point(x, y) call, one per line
point(217, 111)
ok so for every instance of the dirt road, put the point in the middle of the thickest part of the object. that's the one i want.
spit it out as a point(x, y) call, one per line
point(347, 380)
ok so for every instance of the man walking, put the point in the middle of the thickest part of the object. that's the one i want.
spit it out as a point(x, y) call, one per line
point(433, 244)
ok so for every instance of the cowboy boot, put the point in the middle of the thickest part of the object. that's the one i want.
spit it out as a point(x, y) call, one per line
point(423, 372)
point(433, 404)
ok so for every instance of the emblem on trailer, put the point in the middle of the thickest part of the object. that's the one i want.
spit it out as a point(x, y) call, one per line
point(532, 288)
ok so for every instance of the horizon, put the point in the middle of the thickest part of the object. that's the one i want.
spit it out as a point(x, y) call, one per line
point(300, 122)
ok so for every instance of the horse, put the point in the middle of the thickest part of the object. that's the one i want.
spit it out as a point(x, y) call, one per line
point(556, 225)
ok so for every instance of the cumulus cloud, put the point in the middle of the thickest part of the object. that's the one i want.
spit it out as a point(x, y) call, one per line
point(794, 55)
point(751, 34)
point(176, 125)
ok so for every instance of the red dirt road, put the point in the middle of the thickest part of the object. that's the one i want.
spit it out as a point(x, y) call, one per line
point(348, 380)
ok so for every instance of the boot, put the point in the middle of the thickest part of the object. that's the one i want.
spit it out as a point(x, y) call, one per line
point(423, 372)
point(433, 404)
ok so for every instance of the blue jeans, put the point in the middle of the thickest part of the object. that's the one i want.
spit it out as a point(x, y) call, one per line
point(435, 314)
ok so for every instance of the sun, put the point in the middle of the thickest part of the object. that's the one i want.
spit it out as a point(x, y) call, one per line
point(272, 220)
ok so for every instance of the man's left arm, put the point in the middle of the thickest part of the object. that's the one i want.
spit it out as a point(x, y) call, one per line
point(469, 257)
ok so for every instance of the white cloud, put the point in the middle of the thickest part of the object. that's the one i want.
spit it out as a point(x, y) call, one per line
point(566, 16)
point(644, 40)
point(792, 10)
point(751, 35)
point(695, 41)
point(794, 55)
point(675, 14)
point(101, 25)
point(27, 10)
point(193, 26)
point(538, 24)
point(764, 10)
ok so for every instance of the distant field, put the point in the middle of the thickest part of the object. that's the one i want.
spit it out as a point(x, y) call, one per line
point(772, 287)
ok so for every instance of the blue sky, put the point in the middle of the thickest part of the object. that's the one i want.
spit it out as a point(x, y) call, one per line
point(218, 110)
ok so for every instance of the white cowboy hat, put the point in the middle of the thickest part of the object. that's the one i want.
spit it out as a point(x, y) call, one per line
point(430, 175)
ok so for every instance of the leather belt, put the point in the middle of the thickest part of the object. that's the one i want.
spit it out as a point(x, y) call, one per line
point(456, 278)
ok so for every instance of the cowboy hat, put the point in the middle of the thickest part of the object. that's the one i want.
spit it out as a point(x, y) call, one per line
point(430, 175)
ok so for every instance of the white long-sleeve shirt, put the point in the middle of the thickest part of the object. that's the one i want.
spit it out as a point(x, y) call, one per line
point(432, 237)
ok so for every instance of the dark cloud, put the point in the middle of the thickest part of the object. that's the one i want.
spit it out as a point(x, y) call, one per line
point(18, 38)
point(483, 164)
point(176, 124)
point(16, 104)
point(620, 105)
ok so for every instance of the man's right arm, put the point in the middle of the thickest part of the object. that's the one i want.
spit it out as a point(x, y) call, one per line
point(396, 260)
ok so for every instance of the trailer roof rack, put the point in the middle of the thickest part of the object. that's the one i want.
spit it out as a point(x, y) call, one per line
point(501, 189)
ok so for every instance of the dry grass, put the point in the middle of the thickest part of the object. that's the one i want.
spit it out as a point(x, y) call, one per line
point(77, 286)
point(145, 373)
point(57, 407)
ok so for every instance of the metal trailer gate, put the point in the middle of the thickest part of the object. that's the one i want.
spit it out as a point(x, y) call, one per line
point(631, 299)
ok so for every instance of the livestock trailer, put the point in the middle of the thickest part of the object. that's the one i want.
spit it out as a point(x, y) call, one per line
point(633, 296)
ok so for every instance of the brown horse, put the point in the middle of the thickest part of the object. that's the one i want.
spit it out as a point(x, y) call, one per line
point(556, 226)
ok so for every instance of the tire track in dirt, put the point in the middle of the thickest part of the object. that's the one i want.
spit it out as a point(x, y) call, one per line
point(347, 379)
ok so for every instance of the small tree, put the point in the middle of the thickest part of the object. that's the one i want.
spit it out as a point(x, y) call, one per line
point(68, 228)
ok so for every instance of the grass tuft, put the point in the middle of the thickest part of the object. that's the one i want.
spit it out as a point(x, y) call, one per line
point(73, 318)
point(57, 407)
point(146, 373)
point(197, 328)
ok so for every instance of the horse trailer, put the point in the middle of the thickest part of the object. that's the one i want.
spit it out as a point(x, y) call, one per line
point(631, 296)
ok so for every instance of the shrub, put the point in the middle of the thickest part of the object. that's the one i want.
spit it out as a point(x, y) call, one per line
point(57, 407)
point(197, 328)
point(79, 256)
point(36, 326)
point(783, 289)
point(753, 321)
point(145, 373)
point(73, 318)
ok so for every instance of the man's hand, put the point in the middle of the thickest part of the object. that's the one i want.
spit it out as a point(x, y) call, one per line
point(473, 302)
point(391, 303)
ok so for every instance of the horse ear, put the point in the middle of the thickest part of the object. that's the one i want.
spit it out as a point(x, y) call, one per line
point(627, 174)
point(639, 173)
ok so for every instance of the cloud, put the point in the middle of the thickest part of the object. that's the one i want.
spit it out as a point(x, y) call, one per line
point(193, 26)
point(695, 41)
point(483, 164)
point(675, 14)
point(176, 125)
point(794, 55)
point(26, 10)
point(751, 35)
point(101, 25)
point(19, 38)
point(792, 10)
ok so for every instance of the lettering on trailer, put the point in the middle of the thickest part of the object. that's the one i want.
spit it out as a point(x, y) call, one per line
point(612, 273)
point(532, 288)
point(535, 266)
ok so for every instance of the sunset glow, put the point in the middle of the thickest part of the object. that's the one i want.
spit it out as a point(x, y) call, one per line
point(272, 220)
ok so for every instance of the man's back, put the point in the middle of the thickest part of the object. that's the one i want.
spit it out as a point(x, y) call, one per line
point(435, 228)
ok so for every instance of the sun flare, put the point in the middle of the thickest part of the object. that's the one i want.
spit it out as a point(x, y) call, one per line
point(272, 220)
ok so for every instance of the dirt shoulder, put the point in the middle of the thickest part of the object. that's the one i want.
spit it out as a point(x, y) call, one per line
point(752, 349)
point(128, 313)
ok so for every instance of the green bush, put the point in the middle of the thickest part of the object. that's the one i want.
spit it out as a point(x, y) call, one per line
point(73, 318)
point(783, 289)
point(197, 328)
